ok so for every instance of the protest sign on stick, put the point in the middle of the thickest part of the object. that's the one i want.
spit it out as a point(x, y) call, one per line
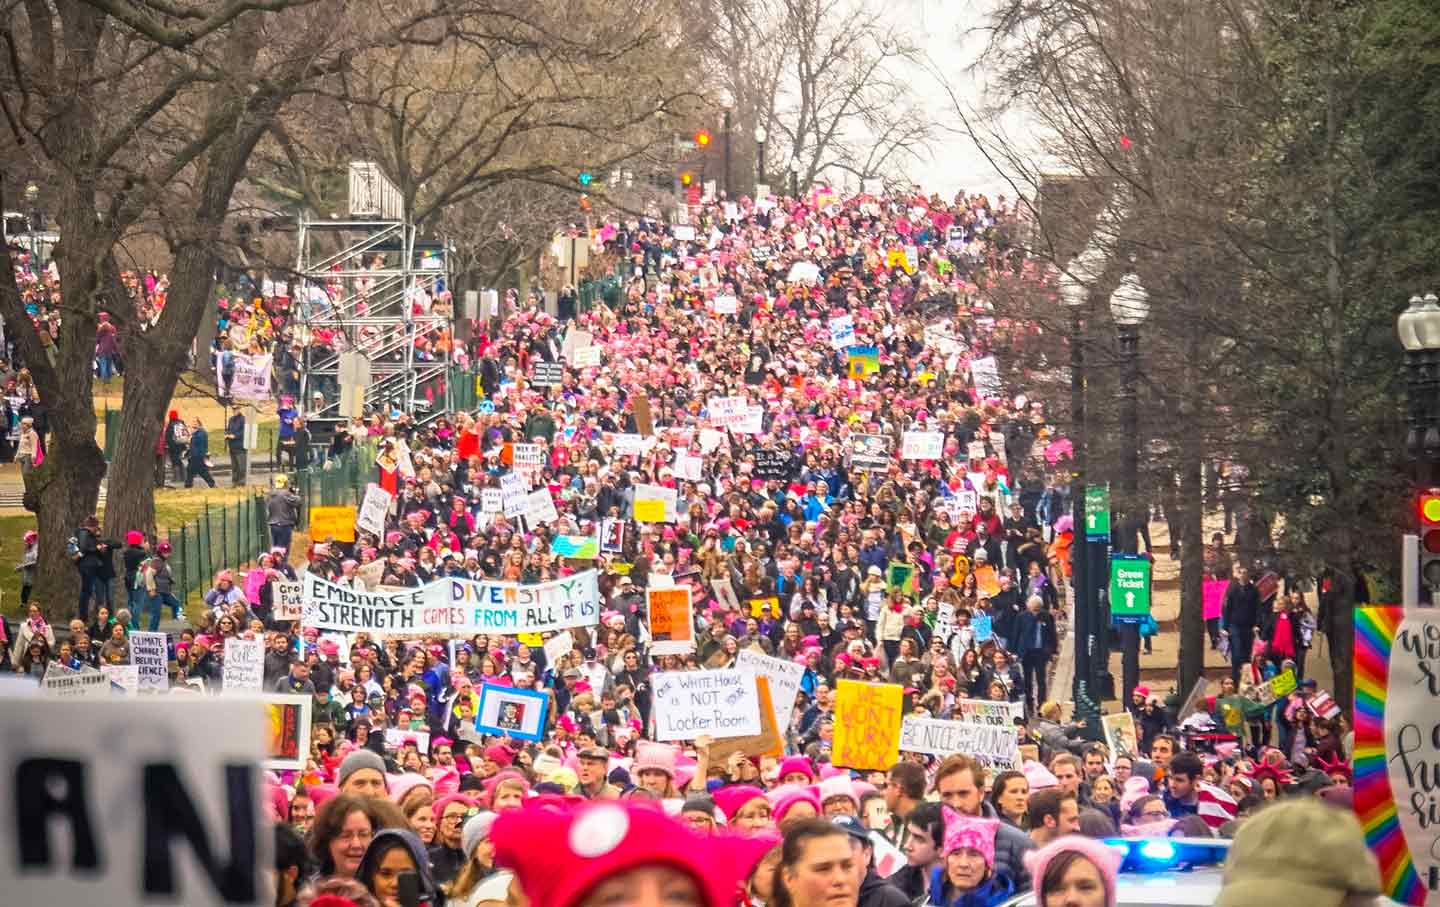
point(867, 725)
point(672, 631)
point(244, 665)
point(149, 654)
point(718, 703)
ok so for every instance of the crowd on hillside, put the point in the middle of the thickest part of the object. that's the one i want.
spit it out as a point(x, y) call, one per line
point(772, 372)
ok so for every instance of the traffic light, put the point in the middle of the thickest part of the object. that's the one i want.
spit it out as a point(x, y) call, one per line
point(586, 177)
point(702, 138)
point(687, 178)
point(1430, 542)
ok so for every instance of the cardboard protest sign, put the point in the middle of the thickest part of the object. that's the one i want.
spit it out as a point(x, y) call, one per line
point(166, 812)
point(244, 665)
point(842, 331)
point(984, 711)
point(867, 725)
point(529, 459)
point(540, 507)
point(654, 504)
point(996, 746)
point(374, 509)
point(547, 374)
point(783, 680)
point(983, 625)
point(719, 703)
point(288, 598)
point(868, 452)
point(287, 737)
point(612, 536)
point(758, 606)
point(862, 361)
point(123, 678)
point(586, 357)
point(986, 375)
point(513, 711)
point(672, 630)
point(149, 652)
point(63, 683)
point(398, 738)
point(336, 523)
point(558, 646)
point(252, 377)
point(1120, 734)
point(644, 418)
point(922, 445)
point(689, 468)
point(726, 412)
point(769, 742)
point(1396, 747)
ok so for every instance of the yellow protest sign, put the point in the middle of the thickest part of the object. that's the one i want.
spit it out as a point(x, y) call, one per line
point(1283, 684)
point(332, 522)
point(650, 511)
point(531, 639)
point(867, 725)
point(757, 606)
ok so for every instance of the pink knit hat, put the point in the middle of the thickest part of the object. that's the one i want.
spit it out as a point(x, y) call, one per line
point(1038, 776)
point(787, 795)
point(970, 833)
point(1106, 859)
point(796, 764)
point(733, 799)
point(400, 785)
point(838, 786)
point(1135, 788)
point(652, 755)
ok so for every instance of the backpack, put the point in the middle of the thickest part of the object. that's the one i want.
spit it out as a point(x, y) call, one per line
point(179, 434)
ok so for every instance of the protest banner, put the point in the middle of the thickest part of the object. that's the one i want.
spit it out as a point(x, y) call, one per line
point(774, 463)
point(726, 412)
point(1194, 700)
point(123, 678)
point(513, 489)
point(842, 331)
point(165, 812)
point(783, 677)
point(373, 509)
point(1277, 687)
point(540, 507)
point(512, 711)
point(754, 421)
point(996, 746)
point(654, 504)
point(336, 523)
point(867, 725)
point(490, 501)
point(922, 445)
point(690, 468)
point(580, 547)
point(672, 629)
point(87, 683)
point(558, 646)
point(149, 652)
point(244, 665)
point(1396, 749)
point(983, 711)
point(529, 459)
point(454, 607)
point(398, 738)
point(612, 536)
point(769, 742)
point(986, 375)
point(628, 444)
point(719, 703)
point(726, 304)
point(575, 339)
point(1120, 734)
point(287, 737)
point(252, 377)
point(644, 417)
point(586, 357)
point(547, 374)
point(862, 361)
point(870, 453)
point(287, 597)
point(758, 606)
point(983, 625)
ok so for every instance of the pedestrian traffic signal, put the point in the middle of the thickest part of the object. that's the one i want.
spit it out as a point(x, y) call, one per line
point(1430, 540)
point(586, 177)
point(702, 138)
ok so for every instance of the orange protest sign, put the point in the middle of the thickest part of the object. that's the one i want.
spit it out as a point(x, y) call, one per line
point(867, 725)
point(987, 580)
point(766, 743)
point(672, 631)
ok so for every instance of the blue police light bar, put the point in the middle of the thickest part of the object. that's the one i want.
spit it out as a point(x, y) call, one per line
point(1161, 854)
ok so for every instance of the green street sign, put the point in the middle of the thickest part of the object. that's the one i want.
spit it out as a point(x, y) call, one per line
point(1097, 511)
point(1129, 588)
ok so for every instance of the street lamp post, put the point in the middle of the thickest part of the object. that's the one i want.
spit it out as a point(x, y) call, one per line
point(1075, 294)
point(1129, 306)
point(32, 197)
point(794, 177)
point(760, 136)
point(1419, 328)
point(727, 152)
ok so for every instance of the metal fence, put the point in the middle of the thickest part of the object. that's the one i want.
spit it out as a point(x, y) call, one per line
point(235, 535)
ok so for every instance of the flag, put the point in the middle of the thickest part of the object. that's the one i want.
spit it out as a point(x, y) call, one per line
point(1214, 805)
point(1323, 705)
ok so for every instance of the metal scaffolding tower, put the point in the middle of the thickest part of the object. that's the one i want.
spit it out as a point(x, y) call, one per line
point(369, 290)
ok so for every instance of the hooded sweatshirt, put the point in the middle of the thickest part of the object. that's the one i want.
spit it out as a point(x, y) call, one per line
point(385, 841)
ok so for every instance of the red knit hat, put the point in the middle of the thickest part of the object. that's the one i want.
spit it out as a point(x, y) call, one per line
point(595, 841)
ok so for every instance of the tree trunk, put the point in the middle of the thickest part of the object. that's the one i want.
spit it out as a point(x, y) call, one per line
point(67, 483)
point(1192, 532)
point(1340, 634)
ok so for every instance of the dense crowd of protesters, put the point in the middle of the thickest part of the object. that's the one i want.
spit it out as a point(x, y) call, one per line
point(811, 538)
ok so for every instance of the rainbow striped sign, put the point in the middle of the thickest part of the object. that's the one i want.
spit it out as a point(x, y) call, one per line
point(1376, 629)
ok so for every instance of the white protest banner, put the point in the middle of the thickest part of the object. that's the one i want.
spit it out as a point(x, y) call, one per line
point(540, 507)
point(629, 444)
point(975, 450)
point(586, 356)
point(576, 339)
point(490, 501)
point(513, 489)
point(252, 377)
point(726, 304)
point(842, 331)
point(529, 458)
point(244, 665)
point(66, 684)
point(126, 677)
point(374, 509)
point(149, 653)
point(558, 646)
point(784, 677)
point(726, 412)
point(922, 445)
point(165, 812)
point(688, 467)
point(983, 711)
point(720, 703)
point(397, 738)
point(682, 232)
point(455, 607)
point(986, 375)
point(754, 422)
point(996, 746)
point(287, 598)
point(654, 504)
point(710, 439)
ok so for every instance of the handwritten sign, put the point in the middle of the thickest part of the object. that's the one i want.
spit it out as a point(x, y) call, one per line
point(769, 742)
point(336, 523)
point(922, 445)
point(244, 665)
point(783, 679)
point(842, 331)
point(867, 725)
point(996, 746)
point(774, 463)
point(374, 509)
point(983, 711)
point(148, 652)
point(288, 598)
point(671, 628)
point(718, 703)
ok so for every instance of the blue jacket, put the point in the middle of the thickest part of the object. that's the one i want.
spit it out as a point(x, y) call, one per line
point(994, 890)
point(199, 445)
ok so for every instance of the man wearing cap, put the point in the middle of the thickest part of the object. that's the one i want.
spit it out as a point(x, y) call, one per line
point(362, 773)
point(296, 680)
point(282, 512)
point(592, 764)
point(874, 891)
